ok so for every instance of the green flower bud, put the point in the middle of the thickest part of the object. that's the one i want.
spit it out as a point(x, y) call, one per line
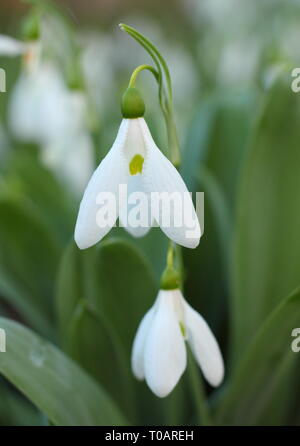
point(132, 105)
point(170, 279)
point(31, 27)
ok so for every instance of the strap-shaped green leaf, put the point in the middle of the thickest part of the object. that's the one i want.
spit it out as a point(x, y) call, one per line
point(263, 373)
point(53, 382)
point(28, 261)
point(267, 242)
point(103, 293)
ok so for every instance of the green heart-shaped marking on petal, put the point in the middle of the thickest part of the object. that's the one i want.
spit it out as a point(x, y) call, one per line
point(136, 164)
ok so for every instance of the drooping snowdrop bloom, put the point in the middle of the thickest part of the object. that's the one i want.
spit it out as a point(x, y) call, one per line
point(44, 111)
point(135, 161)
point(159, 351)
point(38, 105)
point(70, 152)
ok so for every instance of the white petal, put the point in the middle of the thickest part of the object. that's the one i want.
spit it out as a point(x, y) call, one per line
point(135, 142)
point(111, 172)
point(137, 355)
point(204, 346)
point(141, 225)
point(161, 176)
point(11, 47)
point(165, 352)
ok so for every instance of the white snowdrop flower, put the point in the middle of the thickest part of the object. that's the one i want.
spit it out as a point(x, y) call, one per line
point(159, 351)
point(70, 153)
point(97, 68)
point(135, 160)
point(44, 111)
point(38, 103)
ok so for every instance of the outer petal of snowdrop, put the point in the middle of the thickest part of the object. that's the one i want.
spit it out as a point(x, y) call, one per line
point(112, 171)
point(204, 346)
point(181, 224)
point(165, 352)
point(137, 357)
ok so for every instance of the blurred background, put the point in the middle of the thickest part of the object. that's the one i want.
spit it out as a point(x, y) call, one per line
point(238, 125)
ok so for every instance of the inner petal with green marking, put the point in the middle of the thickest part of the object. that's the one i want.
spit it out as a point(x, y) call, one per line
point(182, 329)
point(136, 164)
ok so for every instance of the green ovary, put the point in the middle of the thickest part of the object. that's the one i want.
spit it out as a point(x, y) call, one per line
point(136, 165)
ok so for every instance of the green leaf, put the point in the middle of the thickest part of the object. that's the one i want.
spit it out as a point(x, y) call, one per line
point(218, 137)
point(116, 281)
point(28, 262)
point(263, 372)
point(267, 242)
point(53, 382)
point(29, 182)
point(154, 246)
point(15, 410)
point(202, 414)
point(103, 293)
point(206, 268)
point(127, 287)
point(197, 143)
point(229, 139)
point(214, 152)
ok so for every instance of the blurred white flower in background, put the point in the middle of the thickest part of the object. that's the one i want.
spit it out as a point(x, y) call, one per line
point(70, 152)
point(289, 42)
point(43, 110)
point(220, 13)
point(238, 61)
point(97, 50)
point(37, 105)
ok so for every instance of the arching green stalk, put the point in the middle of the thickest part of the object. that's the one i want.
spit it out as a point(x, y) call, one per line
point(138, 70)
point(165, 90)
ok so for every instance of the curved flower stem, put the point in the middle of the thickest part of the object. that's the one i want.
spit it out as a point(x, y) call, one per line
point(138, 70)
point(165, 90)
